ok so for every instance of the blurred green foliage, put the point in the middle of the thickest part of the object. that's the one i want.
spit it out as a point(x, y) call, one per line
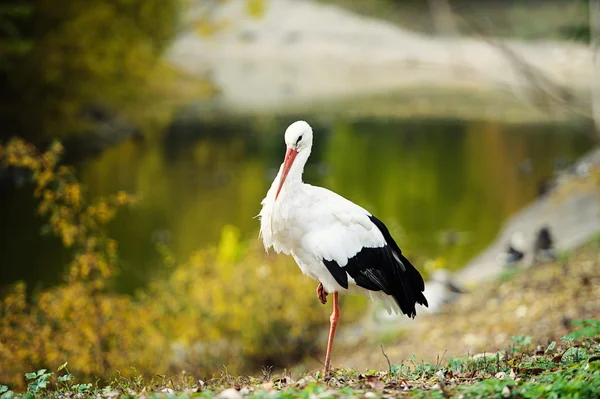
point(56, 59)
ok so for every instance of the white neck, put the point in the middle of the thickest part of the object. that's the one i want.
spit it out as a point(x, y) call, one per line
point(298, 167)
point(274, 211)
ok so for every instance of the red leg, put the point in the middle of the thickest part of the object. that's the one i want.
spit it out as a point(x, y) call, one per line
point(333, 319)
point(322, 294)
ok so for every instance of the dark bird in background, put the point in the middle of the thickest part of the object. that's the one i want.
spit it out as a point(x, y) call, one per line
point(515, 250)
point(514, 255)
point(543, 246)
point(442, 289)
point(545, 186)
point(443, 276)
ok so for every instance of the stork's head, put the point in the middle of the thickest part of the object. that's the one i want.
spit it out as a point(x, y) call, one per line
point(298, 136)
point(298, 139)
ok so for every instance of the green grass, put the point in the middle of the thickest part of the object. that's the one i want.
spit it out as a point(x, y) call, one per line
point(570, 368)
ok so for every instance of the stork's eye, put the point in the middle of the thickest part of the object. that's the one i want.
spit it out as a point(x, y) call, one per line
point(299, 138)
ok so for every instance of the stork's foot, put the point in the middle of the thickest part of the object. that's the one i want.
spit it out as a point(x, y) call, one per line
point(322, 294)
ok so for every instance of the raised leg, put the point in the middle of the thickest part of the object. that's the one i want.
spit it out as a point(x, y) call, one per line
point(333, 319)
point(322, 294)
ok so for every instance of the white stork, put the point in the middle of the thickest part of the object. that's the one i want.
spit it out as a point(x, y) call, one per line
point(333, 240)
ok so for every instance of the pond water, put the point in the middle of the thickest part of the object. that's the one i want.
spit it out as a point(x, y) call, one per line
point(423, 178)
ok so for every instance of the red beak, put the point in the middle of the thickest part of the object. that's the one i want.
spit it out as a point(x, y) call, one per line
point(290, 155)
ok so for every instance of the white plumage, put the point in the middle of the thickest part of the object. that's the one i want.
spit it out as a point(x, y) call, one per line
point(317, 224)
point(333, 240)
point(312, 223)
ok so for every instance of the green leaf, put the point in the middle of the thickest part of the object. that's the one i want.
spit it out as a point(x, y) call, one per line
point(7, 395)
point(594, 366)
point(82, 388)
point(523, 341)
point(62, 366)
point(30, 376)
point(66, 377)
point(550, 347)
point(587, 328)
point(567, 339)
point(40, 372)
point(3, 388)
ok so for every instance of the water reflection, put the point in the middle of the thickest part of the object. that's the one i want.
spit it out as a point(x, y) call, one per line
point(443, 187)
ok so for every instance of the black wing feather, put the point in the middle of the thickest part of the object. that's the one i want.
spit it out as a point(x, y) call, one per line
point(338, 273)
point(377, 269)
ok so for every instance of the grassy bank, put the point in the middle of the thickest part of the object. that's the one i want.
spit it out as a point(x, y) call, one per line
point(567, 368)
point(539, 302)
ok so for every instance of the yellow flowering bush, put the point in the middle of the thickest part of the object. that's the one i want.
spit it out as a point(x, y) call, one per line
point(78, 320)
point(79, 225)
point(97, 334)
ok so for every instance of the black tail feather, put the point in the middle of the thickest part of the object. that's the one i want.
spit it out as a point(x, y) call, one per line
point(407, 284)
point(383, 269)
point(411, 291)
